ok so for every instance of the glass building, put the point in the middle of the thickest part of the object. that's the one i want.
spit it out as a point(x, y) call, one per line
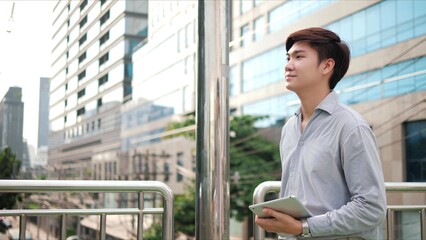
point(92, 72)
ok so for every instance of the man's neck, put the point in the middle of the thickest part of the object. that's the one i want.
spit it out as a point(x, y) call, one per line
point(309, 101)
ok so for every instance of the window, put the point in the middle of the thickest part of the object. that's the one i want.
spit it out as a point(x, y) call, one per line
point(244, 33)
point(104, 38)
point(65, 119)
point(104, 18)
point(99, 104)
point(262, 69)
point(259, 28)
point(67, 54)
point(66, 86)
point(83, 5)
point(66, 70)
point(103, 59)
point(81, 93)
point(83, 21)
point(68, 7)
point(179, 176)
point(82, 39)
point(415, 150)
point(81, 75)
point(68, 39)
point(82, 57)
point(68, 23)
point(102, 80)
point(81, 111)
point(166, 170)
point(245, 5)
point(103, 2)
point(66, 102)
point(257, 2)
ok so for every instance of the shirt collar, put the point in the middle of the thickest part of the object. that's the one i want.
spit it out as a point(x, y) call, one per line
point(327, 104)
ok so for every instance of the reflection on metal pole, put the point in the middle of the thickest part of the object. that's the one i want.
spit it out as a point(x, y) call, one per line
point(212, 186)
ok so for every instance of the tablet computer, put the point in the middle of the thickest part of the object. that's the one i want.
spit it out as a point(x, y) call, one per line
point(289, 205)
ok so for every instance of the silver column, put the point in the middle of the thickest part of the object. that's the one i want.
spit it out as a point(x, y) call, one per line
point(212, 186)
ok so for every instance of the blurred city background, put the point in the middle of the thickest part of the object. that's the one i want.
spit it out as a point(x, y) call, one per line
point(106, 90)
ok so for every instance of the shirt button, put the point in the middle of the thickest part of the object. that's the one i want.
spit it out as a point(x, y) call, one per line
point(300, 143)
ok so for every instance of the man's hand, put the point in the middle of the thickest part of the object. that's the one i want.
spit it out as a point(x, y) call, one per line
point(279, 222)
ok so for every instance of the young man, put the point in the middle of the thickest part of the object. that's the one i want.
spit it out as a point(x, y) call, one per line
point(329, 154)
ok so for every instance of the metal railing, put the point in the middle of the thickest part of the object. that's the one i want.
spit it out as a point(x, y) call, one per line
point(274, 187)
point(139, 187)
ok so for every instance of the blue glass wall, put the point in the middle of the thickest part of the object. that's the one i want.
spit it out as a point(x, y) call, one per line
point(392, 80)
point(382, 25)
point(291, 11)
point(379, 26)
point(263, 69)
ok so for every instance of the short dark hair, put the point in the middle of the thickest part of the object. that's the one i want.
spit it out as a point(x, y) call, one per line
point(328, 45)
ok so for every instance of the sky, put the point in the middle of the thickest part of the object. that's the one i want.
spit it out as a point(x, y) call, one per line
point(25, 46)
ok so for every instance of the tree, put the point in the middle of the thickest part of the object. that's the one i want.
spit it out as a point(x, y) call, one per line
point(184, 212)
point(9, 170)
point(253, 160)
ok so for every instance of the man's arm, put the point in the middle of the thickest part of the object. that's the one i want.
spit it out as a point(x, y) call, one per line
point(364, 177)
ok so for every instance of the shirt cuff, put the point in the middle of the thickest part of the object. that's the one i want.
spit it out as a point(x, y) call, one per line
point(319, 225)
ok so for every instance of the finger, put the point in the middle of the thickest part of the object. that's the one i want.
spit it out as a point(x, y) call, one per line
point(270, 212)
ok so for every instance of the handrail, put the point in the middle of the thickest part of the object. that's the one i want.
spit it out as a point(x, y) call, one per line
point(274, 186)
point(25, 186)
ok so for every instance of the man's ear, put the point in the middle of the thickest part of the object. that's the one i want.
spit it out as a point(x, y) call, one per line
point(328, 65)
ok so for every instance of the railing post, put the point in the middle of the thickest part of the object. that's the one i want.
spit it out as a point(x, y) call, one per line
point(63, 226)
point(390, 230)
point(102, 229)
point(423, 223)
point(22, 226)
point(140, 216)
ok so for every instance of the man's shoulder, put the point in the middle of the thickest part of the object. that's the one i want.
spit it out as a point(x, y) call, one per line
point(349, 116)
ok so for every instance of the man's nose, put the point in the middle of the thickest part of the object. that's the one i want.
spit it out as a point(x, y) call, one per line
point(289, 66)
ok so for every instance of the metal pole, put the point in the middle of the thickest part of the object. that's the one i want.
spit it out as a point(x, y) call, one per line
point(212, 181)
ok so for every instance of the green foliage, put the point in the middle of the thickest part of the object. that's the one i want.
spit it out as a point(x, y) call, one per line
point(176, 125)
point(9, 170)
point(153, 233)
point(253, 159)
point(184, 212)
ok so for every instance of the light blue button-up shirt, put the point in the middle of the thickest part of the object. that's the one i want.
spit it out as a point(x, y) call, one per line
point(333, 168)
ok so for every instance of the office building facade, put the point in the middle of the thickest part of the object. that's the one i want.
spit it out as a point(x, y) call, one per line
point(12, 124)
point(163, 92)
point(43, 112)
point(93, 42)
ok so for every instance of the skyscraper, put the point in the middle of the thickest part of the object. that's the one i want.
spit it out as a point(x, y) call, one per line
point(92, 68)
point(43, 113)
point(12, 122)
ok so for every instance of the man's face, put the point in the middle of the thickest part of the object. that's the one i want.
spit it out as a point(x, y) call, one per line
point(302, 71)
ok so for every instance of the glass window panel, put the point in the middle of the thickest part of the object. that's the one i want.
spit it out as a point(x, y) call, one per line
point(420, 25)
point(405, 11)
point(388, 22)
point(415, 150)
point(244, 35)
point(245, 5)
point(359, 33)
point(259, 28)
